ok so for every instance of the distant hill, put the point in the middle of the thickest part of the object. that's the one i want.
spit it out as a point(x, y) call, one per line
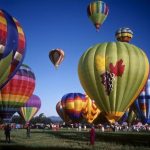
point(55, 119)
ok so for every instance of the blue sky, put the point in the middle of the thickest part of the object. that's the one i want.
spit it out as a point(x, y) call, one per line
point(64, 24)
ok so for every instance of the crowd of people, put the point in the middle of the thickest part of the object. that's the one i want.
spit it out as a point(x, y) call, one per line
point(139, 127)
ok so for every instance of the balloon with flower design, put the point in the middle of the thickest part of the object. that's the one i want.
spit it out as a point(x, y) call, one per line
point(111, 74)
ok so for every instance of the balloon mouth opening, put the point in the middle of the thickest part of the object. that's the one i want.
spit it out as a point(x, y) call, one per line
point(113, 117)
point(97, 26)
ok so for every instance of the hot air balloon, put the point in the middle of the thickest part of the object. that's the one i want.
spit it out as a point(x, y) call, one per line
point(91, 111)
point(73, 104)
point(56, 56)
point(129, 116)
point(62, 113)
point(124, 34)
point(30, 108)
point(12, 47)
point(97, 12)
point(142, 103)
point(16, 92)
point(111, 74)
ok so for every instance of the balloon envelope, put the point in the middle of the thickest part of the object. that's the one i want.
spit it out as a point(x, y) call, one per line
point(16, 92)
point(97, 12)
point(110, 74)
point(12, 47)
point(73, 104)
point(30, 108)
point(56, 56)
point(124, 34)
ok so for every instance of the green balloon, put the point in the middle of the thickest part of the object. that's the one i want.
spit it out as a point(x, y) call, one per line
point(113, 74)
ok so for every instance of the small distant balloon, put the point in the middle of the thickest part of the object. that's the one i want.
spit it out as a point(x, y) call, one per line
point(97, 12)
point(56, 56)
point(124, 34)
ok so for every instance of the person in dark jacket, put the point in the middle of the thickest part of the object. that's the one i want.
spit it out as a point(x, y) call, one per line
point(7, 130)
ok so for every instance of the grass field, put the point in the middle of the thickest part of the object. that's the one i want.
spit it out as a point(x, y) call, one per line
point(71, 139)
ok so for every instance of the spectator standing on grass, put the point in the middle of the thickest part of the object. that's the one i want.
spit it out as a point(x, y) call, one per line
point(28, 130)
point(7, 130)
point(92, 135)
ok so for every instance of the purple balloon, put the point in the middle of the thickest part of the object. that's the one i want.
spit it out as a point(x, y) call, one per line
point(34, 101)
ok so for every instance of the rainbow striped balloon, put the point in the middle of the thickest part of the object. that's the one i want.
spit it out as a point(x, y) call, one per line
point(73, 105)
point(16, 92)
point(12, 47)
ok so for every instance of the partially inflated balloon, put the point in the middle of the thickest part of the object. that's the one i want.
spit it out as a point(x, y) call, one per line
point(12, 47)
point(142, 104)
point(73, 104)
point(61, 112)
point(124, 34)
point(56, 56)
point(16, 92)
point(97, 12)
point(91, 111)
point(111, 74)
point(30, 108)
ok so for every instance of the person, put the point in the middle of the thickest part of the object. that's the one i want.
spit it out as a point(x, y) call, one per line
point(7, 130)
point(92, 135)
point(28, 130)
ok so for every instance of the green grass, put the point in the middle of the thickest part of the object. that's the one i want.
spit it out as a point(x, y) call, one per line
point(72, 139)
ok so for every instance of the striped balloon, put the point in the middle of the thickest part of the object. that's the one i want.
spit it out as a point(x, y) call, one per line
point(124, 34)
point(56, 56)
point(16, 92)
point(62, 113)
point(73, 104)
point(129, 116)
point(142, 103)
point(97, 12)
point(91, 111)
point(12, 47)
point(30, 108)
